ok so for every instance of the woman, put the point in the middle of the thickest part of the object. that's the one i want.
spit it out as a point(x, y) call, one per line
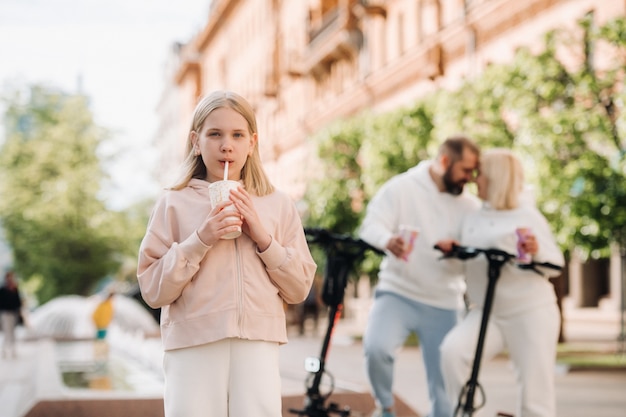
point(525, 318)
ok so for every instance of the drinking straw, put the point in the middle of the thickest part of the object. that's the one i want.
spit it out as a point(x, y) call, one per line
point(226, 171)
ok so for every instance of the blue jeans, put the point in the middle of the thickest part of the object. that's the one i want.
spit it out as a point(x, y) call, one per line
point(390, 322)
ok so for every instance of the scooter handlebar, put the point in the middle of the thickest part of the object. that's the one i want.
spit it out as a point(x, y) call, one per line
point(468, 252)
point(325, 237)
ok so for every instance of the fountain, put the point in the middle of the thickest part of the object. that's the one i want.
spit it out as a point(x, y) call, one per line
point(129, 359)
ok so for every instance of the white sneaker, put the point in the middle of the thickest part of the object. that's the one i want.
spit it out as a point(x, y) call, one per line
point(379, 412)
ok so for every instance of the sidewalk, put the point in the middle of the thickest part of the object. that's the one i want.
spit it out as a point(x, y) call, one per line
point(34, 377)
point(580, 393)
point(31, 376)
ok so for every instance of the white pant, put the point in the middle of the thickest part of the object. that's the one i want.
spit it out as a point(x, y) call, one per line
point(228, 378)
point(531, 339)
point(8, 321)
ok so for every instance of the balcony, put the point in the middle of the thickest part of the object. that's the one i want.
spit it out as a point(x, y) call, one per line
point(336, 38)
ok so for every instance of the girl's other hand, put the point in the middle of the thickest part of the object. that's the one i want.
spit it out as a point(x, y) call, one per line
point(217, 224)
point(252, 225)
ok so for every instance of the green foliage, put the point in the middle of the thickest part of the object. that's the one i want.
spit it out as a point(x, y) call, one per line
point(358, 156)
point(477, 109)
point(393, 143)
point(571, 118)
point(62, 235)
point(331, 198)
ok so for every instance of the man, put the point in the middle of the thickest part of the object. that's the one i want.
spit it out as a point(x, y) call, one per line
point(416, 292)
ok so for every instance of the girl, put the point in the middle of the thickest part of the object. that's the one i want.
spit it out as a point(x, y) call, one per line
point(222, 300)
point(525, 317)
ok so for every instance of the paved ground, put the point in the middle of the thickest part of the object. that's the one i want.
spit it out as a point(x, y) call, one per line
point(579, 393)
point(34, 377)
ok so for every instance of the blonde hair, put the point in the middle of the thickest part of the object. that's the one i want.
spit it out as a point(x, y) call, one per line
point(252, 174)
point(505, 178)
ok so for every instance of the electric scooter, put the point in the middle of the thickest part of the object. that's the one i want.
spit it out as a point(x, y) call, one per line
point(496, 259)
point(342, 253)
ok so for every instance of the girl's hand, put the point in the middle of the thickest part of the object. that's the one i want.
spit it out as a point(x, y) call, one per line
point(218, 223)
point(252, 225)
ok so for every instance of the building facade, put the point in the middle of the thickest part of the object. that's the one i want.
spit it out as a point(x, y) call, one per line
point(305, 63)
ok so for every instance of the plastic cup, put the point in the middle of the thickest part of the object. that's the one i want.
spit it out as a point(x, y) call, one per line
point(220, 191)
point(522, 233)
point(409, 235)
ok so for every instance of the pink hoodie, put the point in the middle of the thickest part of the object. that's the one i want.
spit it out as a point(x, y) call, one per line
point(208, 293)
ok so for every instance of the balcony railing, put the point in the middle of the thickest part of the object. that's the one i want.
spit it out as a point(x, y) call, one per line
point(335, 38)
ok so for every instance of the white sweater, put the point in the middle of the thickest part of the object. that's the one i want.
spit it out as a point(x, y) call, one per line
point(517, 290)
point(412, 198)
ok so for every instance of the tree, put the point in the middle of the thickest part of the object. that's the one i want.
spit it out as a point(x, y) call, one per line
point(573, 120)
point(331, 198)
point(50, 176)
point(357, 156)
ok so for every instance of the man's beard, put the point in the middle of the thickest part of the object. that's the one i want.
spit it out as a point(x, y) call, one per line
point(452, 187)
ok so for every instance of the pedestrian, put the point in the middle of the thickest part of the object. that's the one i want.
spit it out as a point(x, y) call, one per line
point(10, 313)
point(416, 292)
point(103, 315)
point(525, 317)
point(310, 308)
point(222, 300)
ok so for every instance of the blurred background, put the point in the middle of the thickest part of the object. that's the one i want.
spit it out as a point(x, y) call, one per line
point(97, 98)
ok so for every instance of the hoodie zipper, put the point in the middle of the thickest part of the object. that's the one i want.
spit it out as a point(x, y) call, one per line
point(239, 289)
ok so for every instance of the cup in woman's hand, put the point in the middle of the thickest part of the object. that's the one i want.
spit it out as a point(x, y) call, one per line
point(522, 233)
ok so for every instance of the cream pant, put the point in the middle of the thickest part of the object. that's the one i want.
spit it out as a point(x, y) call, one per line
point(8, 321)
point(228, 378)
point(531, 339)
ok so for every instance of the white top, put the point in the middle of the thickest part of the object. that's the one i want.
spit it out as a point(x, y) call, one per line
point(516, 290)
point(412, 198)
